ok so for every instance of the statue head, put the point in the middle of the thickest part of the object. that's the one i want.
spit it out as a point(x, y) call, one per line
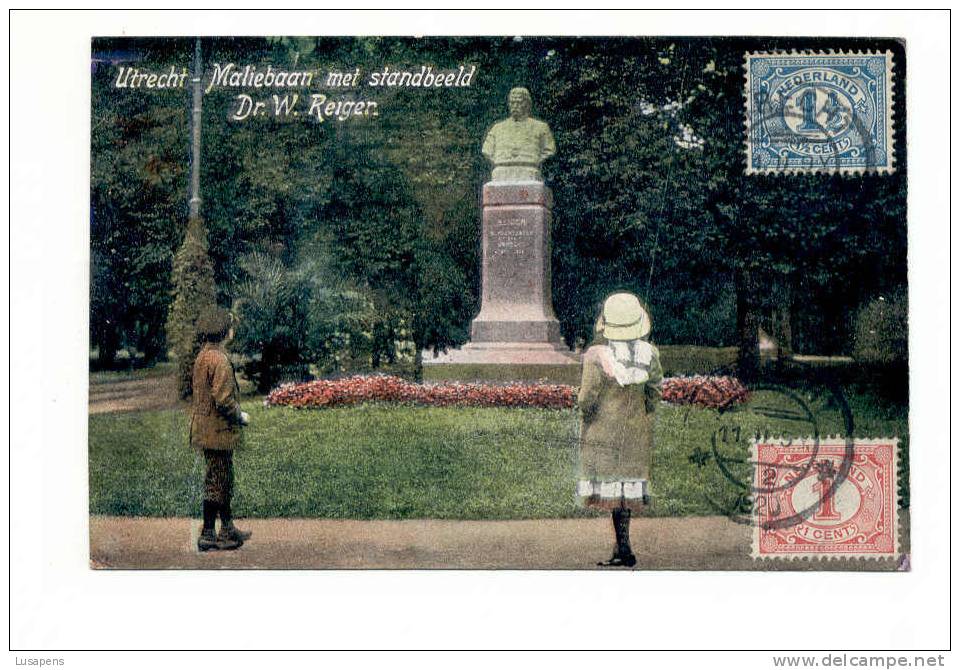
point(519, 144)
point(520, 103)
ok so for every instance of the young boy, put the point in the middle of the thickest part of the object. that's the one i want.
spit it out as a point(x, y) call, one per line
point(215, 428)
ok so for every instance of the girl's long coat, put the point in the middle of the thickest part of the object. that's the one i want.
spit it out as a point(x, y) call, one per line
point(215, 422)
point(616, 441)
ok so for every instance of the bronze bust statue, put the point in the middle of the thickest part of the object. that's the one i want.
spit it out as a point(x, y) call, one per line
point(518, 145)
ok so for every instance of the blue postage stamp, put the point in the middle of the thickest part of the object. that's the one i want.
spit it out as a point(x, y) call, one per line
point(819, 112)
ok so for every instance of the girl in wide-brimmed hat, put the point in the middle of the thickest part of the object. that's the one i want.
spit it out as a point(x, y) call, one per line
point(619, 392)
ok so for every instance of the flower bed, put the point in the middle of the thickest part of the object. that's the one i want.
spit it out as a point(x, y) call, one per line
point(716, 392)
point(358, 389)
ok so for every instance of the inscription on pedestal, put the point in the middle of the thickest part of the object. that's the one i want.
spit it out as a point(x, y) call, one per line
point(512, 237)
point(515, 265)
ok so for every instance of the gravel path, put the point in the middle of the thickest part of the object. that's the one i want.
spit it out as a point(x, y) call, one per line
point(134, 395)
point(692, 543)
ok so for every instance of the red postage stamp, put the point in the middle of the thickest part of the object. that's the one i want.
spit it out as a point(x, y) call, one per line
point(829, 498)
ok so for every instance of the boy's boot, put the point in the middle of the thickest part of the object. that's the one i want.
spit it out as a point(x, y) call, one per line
point(208, 540)
point(229, 532)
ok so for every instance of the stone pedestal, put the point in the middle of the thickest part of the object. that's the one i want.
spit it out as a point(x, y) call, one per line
point(516, 326)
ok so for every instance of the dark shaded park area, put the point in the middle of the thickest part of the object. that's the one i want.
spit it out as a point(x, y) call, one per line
point(354, 244)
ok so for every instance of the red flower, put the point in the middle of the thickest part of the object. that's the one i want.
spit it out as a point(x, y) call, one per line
point(704, 391)
point(716, 392)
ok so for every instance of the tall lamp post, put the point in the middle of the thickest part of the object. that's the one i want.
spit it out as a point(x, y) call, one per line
point(195, 139)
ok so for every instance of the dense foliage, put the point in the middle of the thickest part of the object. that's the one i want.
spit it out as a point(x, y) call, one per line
point(650, 196)
point(880, 334)
point(138, 207)
point(193, 292)
point(292, 317)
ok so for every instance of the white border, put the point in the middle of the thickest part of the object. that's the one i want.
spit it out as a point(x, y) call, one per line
point(59, 603)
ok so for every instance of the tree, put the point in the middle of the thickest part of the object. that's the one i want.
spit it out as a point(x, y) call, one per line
point(137, 199)
point(293, 316)
point(627, 190)
point(811, 246)
point(194, 291)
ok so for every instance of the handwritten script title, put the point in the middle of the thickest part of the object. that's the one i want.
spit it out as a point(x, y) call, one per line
point(264, 91)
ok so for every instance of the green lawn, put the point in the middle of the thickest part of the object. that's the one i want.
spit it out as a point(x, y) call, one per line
point(397, 462)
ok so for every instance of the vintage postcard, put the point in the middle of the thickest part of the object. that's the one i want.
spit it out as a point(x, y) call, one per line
point(506, 302)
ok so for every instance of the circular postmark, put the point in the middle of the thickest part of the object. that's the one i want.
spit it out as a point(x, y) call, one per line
point(817, 126)
point(739, 479)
